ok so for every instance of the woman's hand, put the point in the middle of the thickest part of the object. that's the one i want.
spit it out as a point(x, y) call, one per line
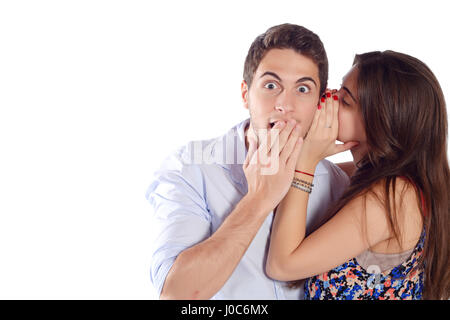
point(269, 169)
point(320, 141)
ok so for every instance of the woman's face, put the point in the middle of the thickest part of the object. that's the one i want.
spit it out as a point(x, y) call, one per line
point(351, 125)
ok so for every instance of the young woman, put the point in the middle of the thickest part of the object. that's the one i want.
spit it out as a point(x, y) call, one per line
point(388, 237)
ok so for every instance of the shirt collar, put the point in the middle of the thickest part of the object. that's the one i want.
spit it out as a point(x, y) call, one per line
point(229, 152)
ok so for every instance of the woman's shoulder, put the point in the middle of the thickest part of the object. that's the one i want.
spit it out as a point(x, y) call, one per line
point(402, 190)
point(404, 218)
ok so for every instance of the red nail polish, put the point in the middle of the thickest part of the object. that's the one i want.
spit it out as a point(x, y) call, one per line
point(319, 107)
point(335, 97)
point(328, 95)
point(322, 99)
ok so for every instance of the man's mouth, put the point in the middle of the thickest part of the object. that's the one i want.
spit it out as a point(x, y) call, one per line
point(272, 123)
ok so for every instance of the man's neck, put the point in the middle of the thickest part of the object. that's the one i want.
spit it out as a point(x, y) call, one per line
point(245, 134)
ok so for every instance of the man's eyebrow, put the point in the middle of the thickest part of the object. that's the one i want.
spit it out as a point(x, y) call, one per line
point(306, 79)
point(273, 74)
point(348, 91)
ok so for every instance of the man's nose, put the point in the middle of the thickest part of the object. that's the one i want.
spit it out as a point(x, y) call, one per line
point(285, 103)
point(284, 108)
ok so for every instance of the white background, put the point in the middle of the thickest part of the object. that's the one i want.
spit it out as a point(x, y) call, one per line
point(94, 94)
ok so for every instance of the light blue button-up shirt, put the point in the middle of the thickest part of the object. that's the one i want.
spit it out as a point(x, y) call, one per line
point(194, 191)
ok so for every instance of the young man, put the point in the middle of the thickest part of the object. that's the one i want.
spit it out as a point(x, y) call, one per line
point(213, 237)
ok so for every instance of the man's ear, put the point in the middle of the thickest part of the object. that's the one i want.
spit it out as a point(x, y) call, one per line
point(244, 93)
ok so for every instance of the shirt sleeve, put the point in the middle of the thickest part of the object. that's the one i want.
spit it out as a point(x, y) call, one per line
point(180, 215)
point(339, 180)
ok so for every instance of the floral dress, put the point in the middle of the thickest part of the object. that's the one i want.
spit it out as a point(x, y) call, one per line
point(350, 281)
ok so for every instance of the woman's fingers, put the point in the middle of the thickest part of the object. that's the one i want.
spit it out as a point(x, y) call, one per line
point(335, 124)
point(313, 126)
point(328, 119)
point(346, 146)
point(321, 116)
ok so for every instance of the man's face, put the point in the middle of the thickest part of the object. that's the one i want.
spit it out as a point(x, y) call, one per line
point(285, 86)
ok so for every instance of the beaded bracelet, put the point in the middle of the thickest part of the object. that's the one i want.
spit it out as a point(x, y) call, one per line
point(301, 187)
point(304, 182)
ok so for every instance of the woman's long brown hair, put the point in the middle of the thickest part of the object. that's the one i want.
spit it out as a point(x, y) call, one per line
point(405, 118)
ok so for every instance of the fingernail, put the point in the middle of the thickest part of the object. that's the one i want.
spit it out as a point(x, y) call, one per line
point(335, 97)
point(328, 95)
point(319, 107)
point(322, 99)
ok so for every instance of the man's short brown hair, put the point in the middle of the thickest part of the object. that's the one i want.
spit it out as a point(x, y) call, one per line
point(287, 36)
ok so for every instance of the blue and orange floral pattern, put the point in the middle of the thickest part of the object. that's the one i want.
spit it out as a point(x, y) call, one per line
point(350, 281)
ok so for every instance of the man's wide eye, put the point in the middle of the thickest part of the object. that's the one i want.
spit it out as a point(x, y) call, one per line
point(303, 89)
point(270, 85)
